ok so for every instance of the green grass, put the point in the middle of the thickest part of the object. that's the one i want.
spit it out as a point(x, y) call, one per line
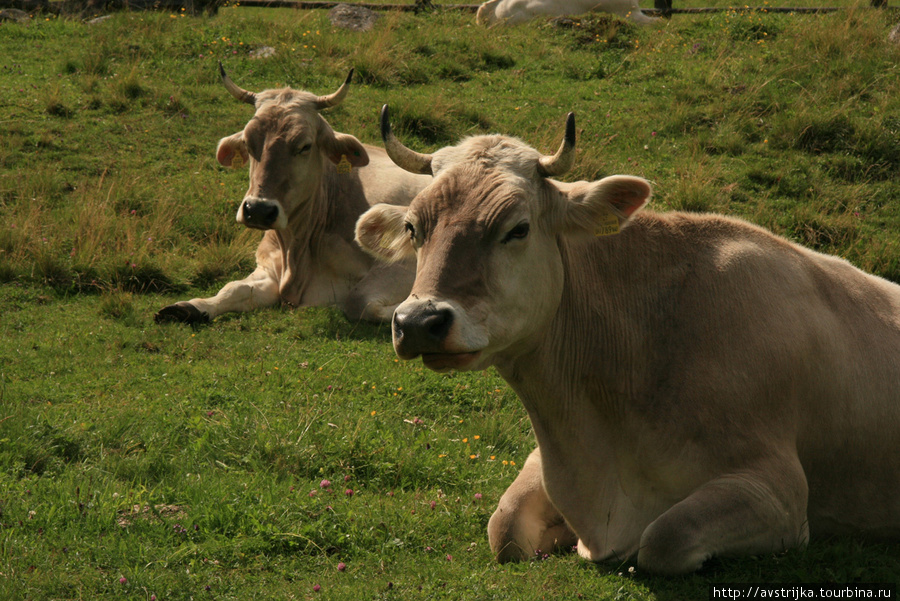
point(113, 206)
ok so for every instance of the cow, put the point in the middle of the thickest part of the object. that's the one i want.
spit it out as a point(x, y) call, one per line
point(697, 385)
point(308, 185)
point(514, 12)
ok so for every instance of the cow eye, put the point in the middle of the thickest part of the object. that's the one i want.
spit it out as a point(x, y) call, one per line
point(517, 233)
point(411, 230)
point(303, 149)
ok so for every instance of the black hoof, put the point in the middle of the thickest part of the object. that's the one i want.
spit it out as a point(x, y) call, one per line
point(183, 312)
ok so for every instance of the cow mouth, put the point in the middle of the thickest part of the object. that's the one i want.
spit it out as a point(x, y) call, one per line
point(447, 361)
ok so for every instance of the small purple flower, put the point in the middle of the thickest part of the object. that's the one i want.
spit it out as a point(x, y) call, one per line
point(324, 484)
point(123, 580)
point(449, 557)
point(341, 566)
point(316, 588)
point(312, 493)
point(349, 492)
point(478, 496)
point(347, 478)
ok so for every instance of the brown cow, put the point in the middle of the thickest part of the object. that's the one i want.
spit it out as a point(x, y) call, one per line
point(698, 386)
point(308, 185)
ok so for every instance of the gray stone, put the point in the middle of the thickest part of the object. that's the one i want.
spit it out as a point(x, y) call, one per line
point(355, 18)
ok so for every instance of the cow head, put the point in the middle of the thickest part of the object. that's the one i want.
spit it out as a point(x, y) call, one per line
point(287, 144)
point(486, 235)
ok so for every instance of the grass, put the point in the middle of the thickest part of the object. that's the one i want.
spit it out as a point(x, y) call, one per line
point(182, 460)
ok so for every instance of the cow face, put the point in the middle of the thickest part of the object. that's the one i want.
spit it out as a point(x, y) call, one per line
point(486, 235)
point(287, 145)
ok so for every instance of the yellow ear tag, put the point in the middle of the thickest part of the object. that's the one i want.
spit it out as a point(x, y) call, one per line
point(344, 165)
point(607, 226)
point(237, 161)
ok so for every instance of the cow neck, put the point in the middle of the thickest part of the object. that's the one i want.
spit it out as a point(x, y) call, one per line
point(299, 244)
point(589, 357)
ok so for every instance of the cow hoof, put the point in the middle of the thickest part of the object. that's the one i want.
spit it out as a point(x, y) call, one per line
point(183, 312)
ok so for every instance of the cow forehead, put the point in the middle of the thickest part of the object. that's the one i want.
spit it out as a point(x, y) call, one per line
point(485, 180)
point(285, 109)
point(473, 199)
point(501, 154)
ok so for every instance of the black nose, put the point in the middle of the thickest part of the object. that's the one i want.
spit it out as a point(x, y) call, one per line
point(260, 213)
point(421, 328)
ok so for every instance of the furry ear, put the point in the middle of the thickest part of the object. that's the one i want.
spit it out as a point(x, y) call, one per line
point(604, 207)
point(381, 232)
point(336, 146)
point(232, 151)
point(345, 145)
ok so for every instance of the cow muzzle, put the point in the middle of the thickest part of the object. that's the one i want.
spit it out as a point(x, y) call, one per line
point(424, 328)
point(261, 214)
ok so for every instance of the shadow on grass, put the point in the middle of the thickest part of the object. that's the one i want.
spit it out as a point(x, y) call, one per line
point(833, 560)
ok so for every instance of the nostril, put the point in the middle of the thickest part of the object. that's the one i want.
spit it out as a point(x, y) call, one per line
point(437, 324)
point(270, 213)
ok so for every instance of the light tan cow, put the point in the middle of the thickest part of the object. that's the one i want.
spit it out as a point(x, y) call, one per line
point(698, 386)
point(308, 185)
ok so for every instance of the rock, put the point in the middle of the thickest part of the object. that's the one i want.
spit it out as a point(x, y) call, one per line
point(354, 18)
point(894, 35)
point(262, 52)
point(14, 14)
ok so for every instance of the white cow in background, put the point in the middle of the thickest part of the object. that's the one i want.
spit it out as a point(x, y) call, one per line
point(513, 12)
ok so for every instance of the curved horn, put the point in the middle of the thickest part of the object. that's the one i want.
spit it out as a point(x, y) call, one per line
point(562, 161)
point(405, 158)
point(239, 93)
point(337, 97)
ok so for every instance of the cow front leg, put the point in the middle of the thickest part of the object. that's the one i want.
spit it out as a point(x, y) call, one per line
point(254, 292)
point(525, 521)
point(745, 513)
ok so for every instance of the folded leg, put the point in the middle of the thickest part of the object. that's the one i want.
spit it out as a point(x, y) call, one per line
point(761, 510)
point(525, 520)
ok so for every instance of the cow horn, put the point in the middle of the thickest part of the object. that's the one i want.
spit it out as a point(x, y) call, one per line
point(239, 93)
point(562, 161)
point(405, 158)
point(337, 97)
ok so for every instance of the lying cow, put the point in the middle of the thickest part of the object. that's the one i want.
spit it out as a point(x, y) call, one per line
point(514, 12)
point(308, 185)
point(698, 386)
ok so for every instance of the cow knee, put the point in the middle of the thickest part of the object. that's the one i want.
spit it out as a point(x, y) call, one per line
point(521, 536)
point(670, 548)
point(502, 537)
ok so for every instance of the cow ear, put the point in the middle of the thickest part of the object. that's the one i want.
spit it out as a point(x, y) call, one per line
point(381, 232)
point(604, 207)
point(345, 145)
point(232, 151)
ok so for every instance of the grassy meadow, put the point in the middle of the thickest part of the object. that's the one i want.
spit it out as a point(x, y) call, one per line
point(287, 454)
